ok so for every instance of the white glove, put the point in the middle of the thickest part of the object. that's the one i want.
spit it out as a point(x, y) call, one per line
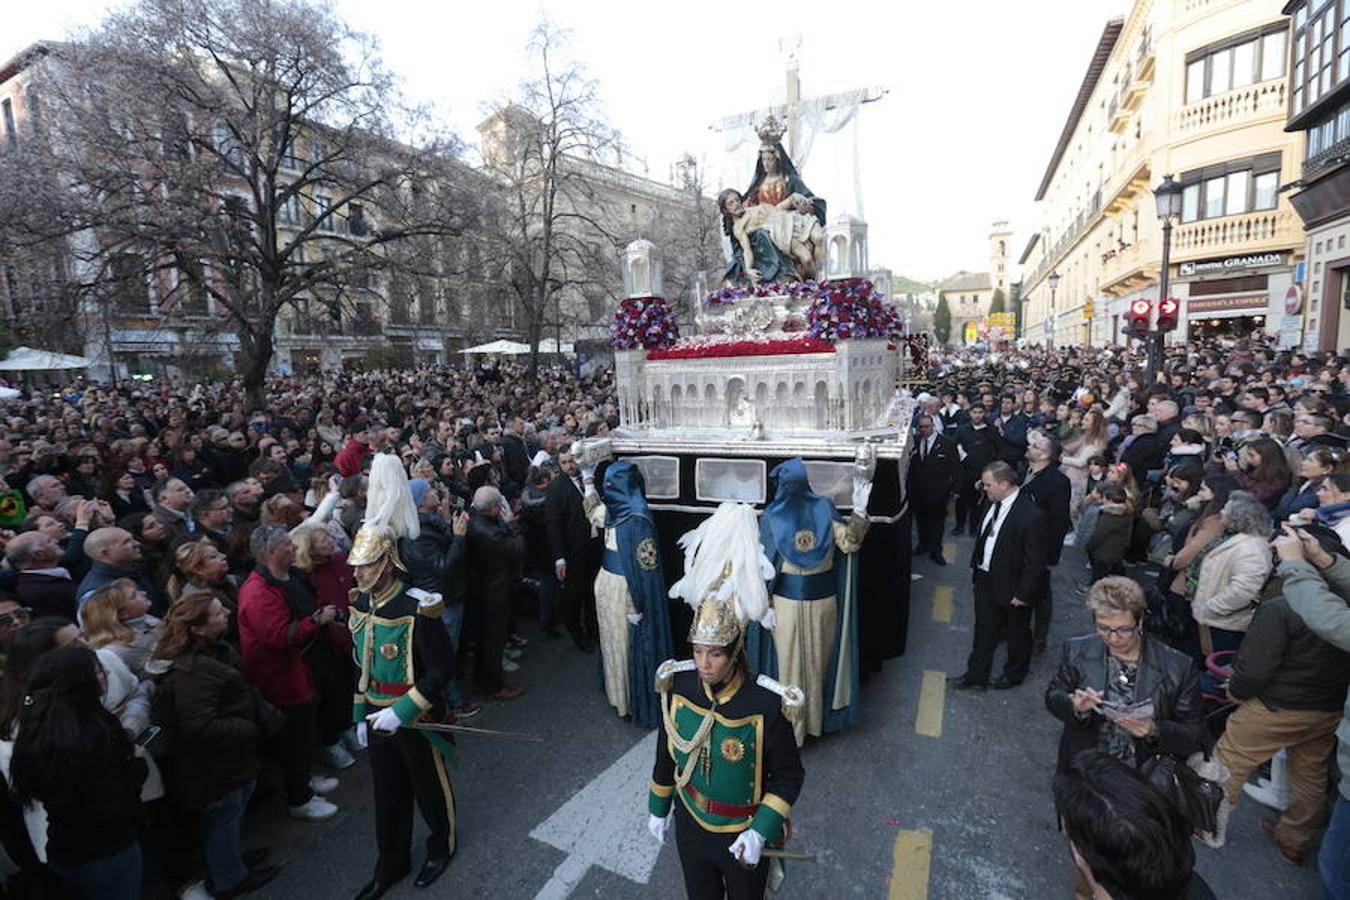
point(385, 720)
point(748, 847)
point(862, 492)
point(588, 476)
point(770, 619)
point(635, 618)
point(657, 826)
point(362, 735)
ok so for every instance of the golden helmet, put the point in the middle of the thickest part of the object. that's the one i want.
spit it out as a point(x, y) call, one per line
point(716, 622)
point(372, 544)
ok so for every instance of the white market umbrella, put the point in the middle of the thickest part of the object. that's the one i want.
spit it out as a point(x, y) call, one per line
point(27, 359)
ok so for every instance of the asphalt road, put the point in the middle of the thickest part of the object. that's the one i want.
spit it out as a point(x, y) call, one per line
point(962, 811)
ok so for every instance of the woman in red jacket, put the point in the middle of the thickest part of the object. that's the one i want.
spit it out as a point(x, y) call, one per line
point(277, 621)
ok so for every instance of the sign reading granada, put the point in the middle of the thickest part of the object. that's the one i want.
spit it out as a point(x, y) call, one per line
point(1230, 263)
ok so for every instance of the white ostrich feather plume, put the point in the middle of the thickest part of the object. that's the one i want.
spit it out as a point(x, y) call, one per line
point(389, 500)
point(730, 536)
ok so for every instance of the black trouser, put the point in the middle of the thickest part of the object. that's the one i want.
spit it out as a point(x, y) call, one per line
point(993, 623)
point(1101, 569)
point(297, 746)
point(929, 518)
point(335, 700)
point(578, 596)
point(969, 501)
point(494, 623)
point(406, 765)
point(1043, 608)
point(710, 871)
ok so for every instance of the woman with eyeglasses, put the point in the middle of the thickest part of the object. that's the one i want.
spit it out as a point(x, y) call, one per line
point(1115, 667)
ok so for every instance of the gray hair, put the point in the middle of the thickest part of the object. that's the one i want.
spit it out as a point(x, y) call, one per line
point(39, 482)
point(485, 498)
point(1149, 422)
point(1116, 594)
point(264, 540)
point(1168, 406)
point(1244, 514)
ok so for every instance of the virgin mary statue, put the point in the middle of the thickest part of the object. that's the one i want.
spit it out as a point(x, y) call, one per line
point(776, 180)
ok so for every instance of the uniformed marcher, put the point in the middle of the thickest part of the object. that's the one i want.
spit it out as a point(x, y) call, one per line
point(405, 658)
point(726, 747)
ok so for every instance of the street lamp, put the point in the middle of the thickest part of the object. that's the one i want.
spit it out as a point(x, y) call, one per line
point(1167, 195)
point(1053, 280)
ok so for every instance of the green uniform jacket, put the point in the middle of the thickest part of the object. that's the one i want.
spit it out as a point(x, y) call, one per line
point(402, 650)
point(751, 759)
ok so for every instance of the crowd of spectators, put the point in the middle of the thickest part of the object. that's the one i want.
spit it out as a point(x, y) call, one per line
point(175, 589)
point(1211, 506)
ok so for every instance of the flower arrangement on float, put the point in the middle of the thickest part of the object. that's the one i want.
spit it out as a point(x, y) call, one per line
point(646, 323)
point(852, 308)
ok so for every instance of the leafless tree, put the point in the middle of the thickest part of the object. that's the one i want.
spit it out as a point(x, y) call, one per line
point(692, 241)
point(544, 150)
point(253, 152)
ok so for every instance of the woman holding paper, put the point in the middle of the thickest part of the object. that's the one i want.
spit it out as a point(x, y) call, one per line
point(1122, 691)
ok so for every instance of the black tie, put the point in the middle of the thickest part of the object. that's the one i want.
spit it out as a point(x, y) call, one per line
point(923, 450)
point(984, 535)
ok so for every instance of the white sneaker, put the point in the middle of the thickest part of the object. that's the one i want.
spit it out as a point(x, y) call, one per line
point(320, 785)
point(513, 653)
point(1070, 539)
point(195, 891)
point(509, 666)
point(337, 757)
point(317, 808)
point(1266, 794)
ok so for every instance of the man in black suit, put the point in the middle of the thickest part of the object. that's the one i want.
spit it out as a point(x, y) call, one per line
point(1012, 427)
point(977, 446)
point(576, 557)
point(1007, 565)
point(1050, 488)
point(930, 486)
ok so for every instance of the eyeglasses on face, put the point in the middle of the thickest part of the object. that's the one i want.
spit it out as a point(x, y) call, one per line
point(1121, 632)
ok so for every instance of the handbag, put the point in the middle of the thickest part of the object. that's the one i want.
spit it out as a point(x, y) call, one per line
point(1196, 798)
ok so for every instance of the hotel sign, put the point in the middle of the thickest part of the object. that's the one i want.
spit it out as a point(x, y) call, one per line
point(1233, 263)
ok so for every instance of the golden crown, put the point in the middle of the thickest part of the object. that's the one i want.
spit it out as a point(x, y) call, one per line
point(771, 130)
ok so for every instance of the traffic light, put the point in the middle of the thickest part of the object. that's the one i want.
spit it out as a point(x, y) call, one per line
point(1167, 315)
point(1141, 311)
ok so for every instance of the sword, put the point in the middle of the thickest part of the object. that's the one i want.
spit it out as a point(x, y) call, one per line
point(786, 854)
point(485, 732)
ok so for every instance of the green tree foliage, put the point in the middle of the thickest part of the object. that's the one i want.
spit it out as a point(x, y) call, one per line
point(942, 321)
point(999, 303)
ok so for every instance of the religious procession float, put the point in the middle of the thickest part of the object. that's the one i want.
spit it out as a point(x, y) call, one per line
point(796, 357)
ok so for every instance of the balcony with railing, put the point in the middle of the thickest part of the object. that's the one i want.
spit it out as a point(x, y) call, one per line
point(1271, 229)
point(1086, 218)
point(1117, 116)
point(1124, 269)
point(1242, 106)
point(1144, 57)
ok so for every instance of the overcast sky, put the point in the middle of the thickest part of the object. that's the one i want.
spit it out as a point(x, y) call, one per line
point(979, 90)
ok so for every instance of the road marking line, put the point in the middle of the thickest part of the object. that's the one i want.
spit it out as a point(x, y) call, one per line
point(943, 596)
point(910, 861)
point(931, 697)
point(949, 551)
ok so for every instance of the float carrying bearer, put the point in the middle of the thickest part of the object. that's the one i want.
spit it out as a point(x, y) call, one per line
point(726, 746)
point(405, 659)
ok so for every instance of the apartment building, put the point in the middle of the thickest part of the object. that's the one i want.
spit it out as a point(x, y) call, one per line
point(1319, 114)
point(1196, 89)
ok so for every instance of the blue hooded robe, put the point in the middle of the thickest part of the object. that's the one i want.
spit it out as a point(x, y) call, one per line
point(638, 560)
point(795, 509)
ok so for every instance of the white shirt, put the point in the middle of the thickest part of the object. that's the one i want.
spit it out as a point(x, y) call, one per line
point(1004, 506)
